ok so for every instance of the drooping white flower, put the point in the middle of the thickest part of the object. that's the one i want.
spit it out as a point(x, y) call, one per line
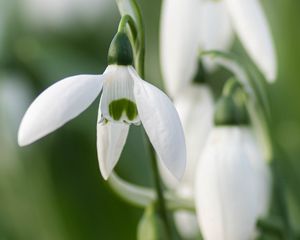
point(190, 26)
point(232, 184)
point(195, 107)
point(126, 99)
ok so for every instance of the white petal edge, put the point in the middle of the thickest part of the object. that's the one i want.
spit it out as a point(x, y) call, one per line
point(162, 125)
point(111, 138)
point(57, 105)
point(178, 43)
point(252, 28)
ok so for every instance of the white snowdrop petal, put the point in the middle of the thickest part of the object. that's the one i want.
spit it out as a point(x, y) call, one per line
point(215, 29)
point(57, 105)
point(111, 138)
point(162, 124)
point(178, 42)
point(252, 28)
point(215, 26)
point(232, 185)
point(195, 107)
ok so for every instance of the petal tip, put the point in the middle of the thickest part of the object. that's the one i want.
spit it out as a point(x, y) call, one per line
point(105, 176)
point(271, 77)
point(178, 171)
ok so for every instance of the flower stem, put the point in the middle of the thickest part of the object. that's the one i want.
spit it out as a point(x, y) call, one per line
point(161, 203)
point(140, 64)
point(122, 25)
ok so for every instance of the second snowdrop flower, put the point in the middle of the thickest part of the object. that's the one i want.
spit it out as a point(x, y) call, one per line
point(233, 183)
point(126, 99)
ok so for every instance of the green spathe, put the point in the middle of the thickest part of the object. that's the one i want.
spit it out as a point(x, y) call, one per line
point(120, 106)
point(120, 50)
point(229, 112)
point(231, 107)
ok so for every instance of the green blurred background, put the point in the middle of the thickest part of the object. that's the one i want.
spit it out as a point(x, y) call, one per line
point(53, 188)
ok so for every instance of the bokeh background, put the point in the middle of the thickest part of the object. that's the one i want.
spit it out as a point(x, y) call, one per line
point(53, 188)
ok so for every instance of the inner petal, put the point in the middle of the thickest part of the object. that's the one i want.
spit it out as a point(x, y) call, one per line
point(122, 106)
point(117, 101)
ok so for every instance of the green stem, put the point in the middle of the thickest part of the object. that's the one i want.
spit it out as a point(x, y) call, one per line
point(140, 64)
point(127, 19)
point(142, 196)
point(159, 190)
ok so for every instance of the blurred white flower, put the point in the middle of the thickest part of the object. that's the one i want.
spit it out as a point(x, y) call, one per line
point(188, 26)
point(62, 13)
point(232, 184)
point(126, 99)
point(251, 26)
point(195, 107)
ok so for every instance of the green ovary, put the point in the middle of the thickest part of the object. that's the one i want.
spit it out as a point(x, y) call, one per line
point(120, 106)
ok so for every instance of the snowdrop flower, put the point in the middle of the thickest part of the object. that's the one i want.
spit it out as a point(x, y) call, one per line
point(233, 181)
point(195, 106)
point(126, 99)
point(188, 26)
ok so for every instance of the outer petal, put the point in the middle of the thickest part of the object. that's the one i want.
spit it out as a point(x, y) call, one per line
point(252, 28)
point(195, 107)
point(57, 105)
point(161, 122)
point(215, 30)
point(232, 185)
point(178, 42)
point(111, 138)
point(215, 26)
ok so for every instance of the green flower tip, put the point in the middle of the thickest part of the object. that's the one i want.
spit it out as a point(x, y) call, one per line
point(120, 106)
point(231, 109)
point(232, 85)
point(120, 50)
point(200, 75)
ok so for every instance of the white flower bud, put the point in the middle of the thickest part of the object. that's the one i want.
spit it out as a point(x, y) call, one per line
point(232, 184)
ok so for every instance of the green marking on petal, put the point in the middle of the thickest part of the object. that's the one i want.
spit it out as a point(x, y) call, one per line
point(117, 107)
